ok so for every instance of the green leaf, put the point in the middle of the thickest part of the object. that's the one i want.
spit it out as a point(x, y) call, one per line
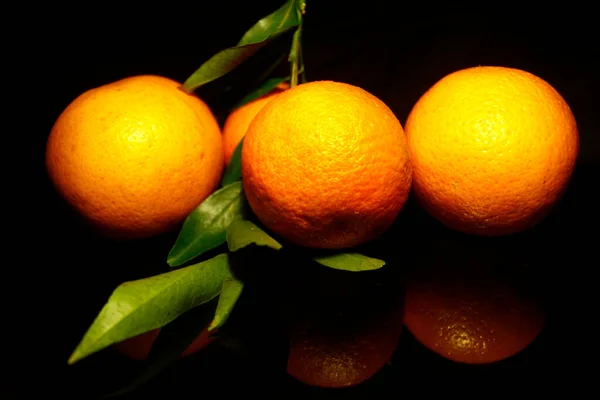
point(267, 86)
point(286, 17)
point(173, 339)
point(220, 64)
point(139, 306)
point(233, 172)
point(242, 233)
point(204, 229)
point(230, 293)
point(264, 31)
point(350, 262)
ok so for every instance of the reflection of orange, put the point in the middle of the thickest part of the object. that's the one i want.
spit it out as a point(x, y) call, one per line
point(492, 149)
point(339, 351)
point(470, 314)
point(326, 165)
point(138, 347)
point(237, 122)
point(343, 328)
point(135, 156)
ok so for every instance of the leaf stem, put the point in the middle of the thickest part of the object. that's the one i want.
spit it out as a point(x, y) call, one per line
point(295, 57)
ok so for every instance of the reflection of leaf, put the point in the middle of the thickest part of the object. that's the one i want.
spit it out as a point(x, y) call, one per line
point(173, 339)
point(264, 31)
point(350, 262)
point(204, 228)
point(140, 306)
point(242, 233)
point(230, 293)
point(233, 172)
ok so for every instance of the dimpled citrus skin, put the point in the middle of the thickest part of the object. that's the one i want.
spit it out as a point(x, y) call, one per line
point(237, 123)
point(492, 149)
point(326, 165)
point(134, 157)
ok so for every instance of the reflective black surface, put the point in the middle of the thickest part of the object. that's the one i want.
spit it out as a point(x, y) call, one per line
point(59, 274)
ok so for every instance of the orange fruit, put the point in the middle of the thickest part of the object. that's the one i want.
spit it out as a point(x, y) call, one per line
point(136, 156)
point(237, 122)
point(138, 347)
point(471, 311)
point(492, 149)
point(326, 165)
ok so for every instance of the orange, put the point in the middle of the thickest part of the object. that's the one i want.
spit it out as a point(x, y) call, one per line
point(138, 347)
point(136, 156)
point(326, 165)
point(237, 122)
point(492, 149)
point(471, 311)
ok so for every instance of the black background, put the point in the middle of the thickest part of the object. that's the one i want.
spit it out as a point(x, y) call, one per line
point(59, 274)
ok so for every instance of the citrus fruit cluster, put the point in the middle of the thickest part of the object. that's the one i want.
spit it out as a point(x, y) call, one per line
point(486, 151)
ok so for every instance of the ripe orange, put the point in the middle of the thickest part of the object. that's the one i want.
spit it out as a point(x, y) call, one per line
point(471, 311)
point(138, 347)
point(135, 156)
point(326, 165)
point(492, 149)
point(236, 124)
